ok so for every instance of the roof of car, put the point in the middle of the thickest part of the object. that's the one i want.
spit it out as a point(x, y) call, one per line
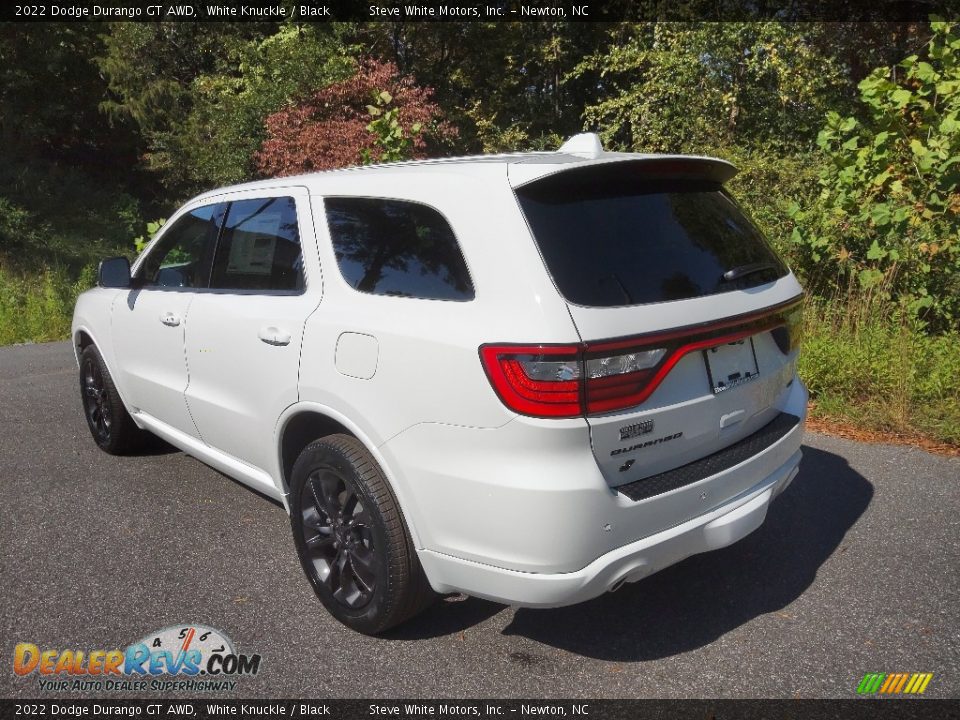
point(522, 167)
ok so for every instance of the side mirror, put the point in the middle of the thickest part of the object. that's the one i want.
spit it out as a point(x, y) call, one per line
point(114, 273)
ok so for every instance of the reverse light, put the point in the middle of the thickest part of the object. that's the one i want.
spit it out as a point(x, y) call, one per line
point(626, 363)
point(619, 377)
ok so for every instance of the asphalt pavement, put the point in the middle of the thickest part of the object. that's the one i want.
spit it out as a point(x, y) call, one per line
point(856, 570)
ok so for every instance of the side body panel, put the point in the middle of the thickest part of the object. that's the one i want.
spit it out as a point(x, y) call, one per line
point(148, 335)
point(243, 352)
point(427, 367)
point(92, 317)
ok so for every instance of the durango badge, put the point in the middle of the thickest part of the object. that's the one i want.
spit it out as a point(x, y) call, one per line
point(648, 443)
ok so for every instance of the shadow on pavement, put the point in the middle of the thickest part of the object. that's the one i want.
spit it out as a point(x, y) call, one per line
point(449, 615)
point(706, 596)
point(153, 445)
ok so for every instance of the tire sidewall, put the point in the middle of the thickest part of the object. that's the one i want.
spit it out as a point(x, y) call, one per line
point(91, 354)
point(370, 618)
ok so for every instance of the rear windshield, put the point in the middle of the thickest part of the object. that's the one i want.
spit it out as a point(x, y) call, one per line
point(614, 237)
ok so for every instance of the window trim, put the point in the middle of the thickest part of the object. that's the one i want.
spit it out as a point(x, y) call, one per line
point(324, 197)
point(250, 291)
point(139, 284)
point(226, 200)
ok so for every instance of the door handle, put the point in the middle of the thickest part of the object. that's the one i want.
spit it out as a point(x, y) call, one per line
point(169, 318)
point(273, 335)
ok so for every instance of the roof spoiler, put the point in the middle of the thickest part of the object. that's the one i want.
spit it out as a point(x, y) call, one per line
point(666, 167)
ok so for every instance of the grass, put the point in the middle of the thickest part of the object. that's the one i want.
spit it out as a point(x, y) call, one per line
point(864, 364)
point(869, 367)
point(37, 307)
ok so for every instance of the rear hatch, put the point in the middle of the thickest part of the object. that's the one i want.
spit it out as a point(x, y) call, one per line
point(688, 318)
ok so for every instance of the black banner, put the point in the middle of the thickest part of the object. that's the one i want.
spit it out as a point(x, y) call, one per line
point(471, 11)
point(874, 709)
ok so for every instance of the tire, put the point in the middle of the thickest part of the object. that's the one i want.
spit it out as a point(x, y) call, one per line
point(351, 538)
point(110, 424)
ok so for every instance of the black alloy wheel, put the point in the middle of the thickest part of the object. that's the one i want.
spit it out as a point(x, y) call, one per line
point(351, 537)
point(338, 538)
point(96, 400)
point(110, 424)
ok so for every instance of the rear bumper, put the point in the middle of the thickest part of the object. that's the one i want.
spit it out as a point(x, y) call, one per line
point(630, 563)
point(521, 514)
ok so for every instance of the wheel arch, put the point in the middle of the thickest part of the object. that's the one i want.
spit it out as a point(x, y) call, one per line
point(82, 338)
point(304, 422)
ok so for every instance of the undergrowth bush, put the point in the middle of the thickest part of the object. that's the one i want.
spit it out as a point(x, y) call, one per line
point(888, 212)
point(56, 216)
point(38, 307)
point(871, 363)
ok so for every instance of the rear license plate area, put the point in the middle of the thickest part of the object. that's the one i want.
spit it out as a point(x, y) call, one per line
point(731, 365)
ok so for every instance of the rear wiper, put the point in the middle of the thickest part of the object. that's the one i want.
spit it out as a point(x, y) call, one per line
point(744, 270)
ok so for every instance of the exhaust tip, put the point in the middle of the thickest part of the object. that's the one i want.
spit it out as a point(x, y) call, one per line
point(630, 576)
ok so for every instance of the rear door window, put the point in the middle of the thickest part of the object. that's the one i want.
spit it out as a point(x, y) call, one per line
point(613, 237)
point(259, 247)
point(396, 247)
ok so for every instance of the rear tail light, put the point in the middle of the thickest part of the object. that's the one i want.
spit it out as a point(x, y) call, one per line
point(564, 381)
point(537, 380)
point(570, 380)
point(788, 334)
point(618, 378)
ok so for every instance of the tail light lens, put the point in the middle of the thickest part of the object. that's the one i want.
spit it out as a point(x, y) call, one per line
point(788, 334)
point(618, 378)
point(537, 380)
point(562, 381)
point(570, 380)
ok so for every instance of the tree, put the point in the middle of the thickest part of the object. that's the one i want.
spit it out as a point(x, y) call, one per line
point(151, 71)
point(701, 86)
point(888, 216)
point(60, 198)
point(377, 114)
point(225, 126)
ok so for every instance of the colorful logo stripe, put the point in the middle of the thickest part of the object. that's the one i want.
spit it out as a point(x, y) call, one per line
point(894, 683)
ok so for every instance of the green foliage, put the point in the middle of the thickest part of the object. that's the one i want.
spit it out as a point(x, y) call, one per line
point(141, 241)
point(55, 215)
point(62, 201)
point(888, 216)
point(501, 84)
point(768, 186)
point(50, 90)
point(394, 141)
point(225, 127)
point(39, 307)
point(150, 68)
point(199, 93)
point(682, 87)
point(866, 362)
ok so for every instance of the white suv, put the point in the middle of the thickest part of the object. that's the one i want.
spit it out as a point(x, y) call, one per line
point(529, 378)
